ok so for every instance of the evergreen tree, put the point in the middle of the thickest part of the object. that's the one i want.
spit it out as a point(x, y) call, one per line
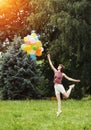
point(19, 74)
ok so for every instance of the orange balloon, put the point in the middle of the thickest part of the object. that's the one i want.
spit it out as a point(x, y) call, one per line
point(38, 52)
point(38, 44)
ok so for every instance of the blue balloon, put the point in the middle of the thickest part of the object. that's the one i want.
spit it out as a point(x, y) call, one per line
point(32, 56)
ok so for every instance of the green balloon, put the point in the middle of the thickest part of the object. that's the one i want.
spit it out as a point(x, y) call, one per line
point(23, 46)
point(34, 47)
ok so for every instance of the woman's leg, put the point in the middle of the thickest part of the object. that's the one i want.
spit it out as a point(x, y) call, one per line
point(59, 103)
point(67, 94)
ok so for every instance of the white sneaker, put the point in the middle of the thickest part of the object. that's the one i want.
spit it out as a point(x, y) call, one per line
point(72, 86)
point(58, 113)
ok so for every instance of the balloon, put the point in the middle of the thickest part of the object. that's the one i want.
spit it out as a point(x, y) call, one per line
point(32, 56)
point(25, 38)
point(23, 46)
point(32, 45)
point(28, 52)
point(27, 42)
point(32, 52)
point(32, 39)
point(42, 49)
point(38, 52)
point(34, 35)
point(27, 47)
point(38, 44)
point(36, 39)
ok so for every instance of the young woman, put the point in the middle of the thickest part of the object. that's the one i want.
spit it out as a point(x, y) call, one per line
point(58, 86)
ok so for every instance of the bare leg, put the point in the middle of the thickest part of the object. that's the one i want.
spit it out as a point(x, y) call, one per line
point(67, 94)
point(59, 104)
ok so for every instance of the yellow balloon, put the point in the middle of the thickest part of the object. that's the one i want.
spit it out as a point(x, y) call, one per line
point(28, 52)
point(34, 35)
point(27, 47)
point(26, 39)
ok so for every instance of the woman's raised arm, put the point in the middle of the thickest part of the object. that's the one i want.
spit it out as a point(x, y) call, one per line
point(50, 62)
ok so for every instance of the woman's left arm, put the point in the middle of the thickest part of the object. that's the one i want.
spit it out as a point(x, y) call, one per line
point(70, 79)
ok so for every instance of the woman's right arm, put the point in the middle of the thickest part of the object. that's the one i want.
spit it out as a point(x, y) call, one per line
point(50, 62)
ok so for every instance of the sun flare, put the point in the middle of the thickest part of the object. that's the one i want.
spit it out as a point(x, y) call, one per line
point(3, 3)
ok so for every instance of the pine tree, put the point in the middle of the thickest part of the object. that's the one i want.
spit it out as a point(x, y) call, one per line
point(19, 74)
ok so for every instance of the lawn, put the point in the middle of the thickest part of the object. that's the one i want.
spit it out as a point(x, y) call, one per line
point(41, 115)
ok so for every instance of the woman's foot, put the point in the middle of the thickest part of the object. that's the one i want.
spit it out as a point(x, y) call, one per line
point(58, 113)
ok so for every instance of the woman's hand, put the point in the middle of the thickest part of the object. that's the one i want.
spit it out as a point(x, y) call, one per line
point(50, 62)
point(78, 81)
point(48, 55)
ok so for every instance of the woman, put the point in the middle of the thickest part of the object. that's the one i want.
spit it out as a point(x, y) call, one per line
point(58, 86)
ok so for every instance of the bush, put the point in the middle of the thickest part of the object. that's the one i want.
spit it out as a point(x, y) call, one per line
point(19, 74)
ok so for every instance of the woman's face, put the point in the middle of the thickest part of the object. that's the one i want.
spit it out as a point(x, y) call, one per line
point(59, 67)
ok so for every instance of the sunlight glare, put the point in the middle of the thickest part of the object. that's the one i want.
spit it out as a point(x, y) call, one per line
point(3, 3)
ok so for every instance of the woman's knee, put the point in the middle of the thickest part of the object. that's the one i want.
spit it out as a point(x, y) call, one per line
point(65, 95)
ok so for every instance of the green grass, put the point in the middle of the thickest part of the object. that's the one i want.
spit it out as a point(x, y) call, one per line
point(41, 115)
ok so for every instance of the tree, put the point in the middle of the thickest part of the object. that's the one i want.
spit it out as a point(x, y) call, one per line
point(13, 19)
point(65, 29)
point(19, 74)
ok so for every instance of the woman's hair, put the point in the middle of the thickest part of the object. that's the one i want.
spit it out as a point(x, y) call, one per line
point(63, 67)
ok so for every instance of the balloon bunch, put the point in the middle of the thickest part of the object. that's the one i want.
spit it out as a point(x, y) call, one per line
point(32, 45)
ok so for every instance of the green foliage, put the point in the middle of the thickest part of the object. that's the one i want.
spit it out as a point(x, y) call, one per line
point(64, 27)
point(19, 74)
point(13, 19)
point(65, 30)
